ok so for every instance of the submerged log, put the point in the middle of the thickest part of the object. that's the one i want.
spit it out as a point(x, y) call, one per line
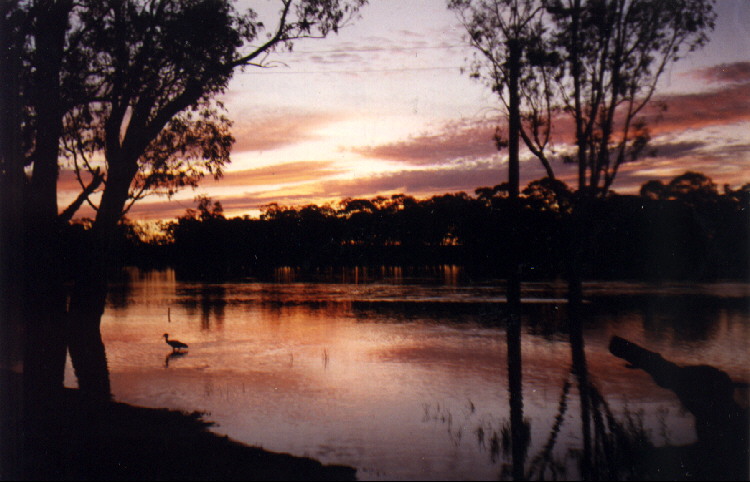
point(721, 424)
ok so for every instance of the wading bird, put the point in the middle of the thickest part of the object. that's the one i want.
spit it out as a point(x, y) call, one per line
point(176, 345)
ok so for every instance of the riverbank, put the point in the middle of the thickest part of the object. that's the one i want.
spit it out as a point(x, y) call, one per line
point(117, 441)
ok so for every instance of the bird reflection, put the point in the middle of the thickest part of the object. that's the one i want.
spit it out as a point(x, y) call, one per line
point(173, 355)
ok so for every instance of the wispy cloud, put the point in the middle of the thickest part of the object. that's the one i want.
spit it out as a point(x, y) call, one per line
point(465, 139)
point(734, 72)
point(287, 173)
point(268, 132)
point(412, 34)
point(699, 131)
point(676, 149)
point(337, 58)
point(726, 105)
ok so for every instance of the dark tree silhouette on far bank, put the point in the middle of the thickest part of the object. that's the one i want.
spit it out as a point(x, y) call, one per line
point(679, 236)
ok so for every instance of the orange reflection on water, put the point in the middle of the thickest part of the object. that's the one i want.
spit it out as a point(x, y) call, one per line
point(390, 370)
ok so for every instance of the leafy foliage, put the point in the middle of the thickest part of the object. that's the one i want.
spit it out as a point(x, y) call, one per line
point(615, 53)
point(590, 64)
point(494, 28)
point(132, 84)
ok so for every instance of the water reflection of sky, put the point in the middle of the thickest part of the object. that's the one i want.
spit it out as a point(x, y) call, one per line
point(403, 379)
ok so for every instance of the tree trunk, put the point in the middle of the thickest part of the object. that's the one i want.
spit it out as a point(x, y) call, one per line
point(578, 356)
point(514, 117)
point(43, 285)
point(513, 290)
point(11, 251)
point(42, 275)
point(43, 300)
point(578, 103)
point(32, 286)
point(513, 287)
point(87, 351)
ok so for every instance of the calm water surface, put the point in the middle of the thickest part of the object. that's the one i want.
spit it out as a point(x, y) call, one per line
point(404, 376)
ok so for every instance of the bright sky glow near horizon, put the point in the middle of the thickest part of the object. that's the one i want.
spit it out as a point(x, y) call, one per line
point(383, 108)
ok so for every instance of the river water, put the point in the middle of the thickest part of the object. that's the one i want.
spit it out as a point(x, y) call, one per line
point(403, 373)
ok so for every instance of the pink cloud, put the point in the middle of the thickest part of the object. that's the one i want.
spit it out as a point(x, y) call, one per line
point(290, 172)
point(455, 140)
point(473, 139)
point(734, 72)
point(274, 131)
point(420, 183)
point(724, 106)
point(427, 182)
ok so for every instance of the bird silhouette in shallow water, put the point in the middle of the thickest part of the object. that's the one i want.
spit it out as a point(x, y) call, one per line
point(176, 345)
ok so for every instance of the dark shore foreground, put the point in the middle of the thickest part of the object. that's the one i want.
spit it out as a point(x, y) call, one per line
point(116, 441)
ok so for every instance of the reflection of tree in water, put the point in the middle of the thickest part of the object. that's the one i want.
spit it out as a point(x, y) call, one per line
point(213, 301)
point(617, 445)
point(614, 448)
point(120, 292)
point(682, 317)
point(210, 300)
point(686, 318)
point(611, 449)
point(545, 461)
point(546, 320)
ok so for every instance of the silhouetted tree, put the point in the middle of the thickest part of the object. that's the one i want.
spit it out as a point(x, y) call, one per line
point(161, 79)
point(653, 190)
point(599, 61)
point(206, 210)
point(507, 34)
point(548, 194)
point(12, 27)
point(692, 187)
point(513, 60)
point(614, 53)
point(135, 82)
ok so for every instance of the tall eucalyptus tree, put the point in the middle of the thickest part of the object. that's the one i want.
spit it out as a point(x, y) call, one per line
point(125, 93)
point(614, 53)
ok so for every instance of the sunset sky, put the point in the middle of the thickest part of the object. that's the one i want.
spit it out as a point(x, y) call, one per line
point(383, 108)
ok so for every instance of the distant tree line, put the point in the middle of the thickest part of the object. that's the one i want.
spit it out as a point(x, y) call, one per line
point(683, 229)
